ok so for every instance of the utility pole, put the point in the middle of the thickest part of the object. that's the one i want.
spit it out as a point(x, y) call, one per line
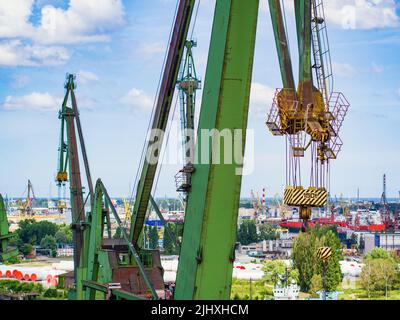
point(251, 292)
point(324, 267)
point(324, 254)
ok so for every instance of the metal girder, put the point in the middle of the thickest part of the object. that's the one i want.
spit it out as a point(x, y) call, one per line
point(95, 244)
point(207, 252)
point(282, 45)
point(6, 252)
point(69, 161)
point(77, 206)
point(161, 114)
point(95, 239)
point(123, 295)
point(303, 23)
point(165, 224)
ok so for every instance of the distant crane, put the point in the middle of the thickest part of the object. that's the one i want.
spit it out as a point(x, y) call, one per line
point(390, 219)
point(188, 85)
point(127, 209)
point(283, 210)
point(254, 202)
point(69, 170)
point(25, 207)
point(383, 197)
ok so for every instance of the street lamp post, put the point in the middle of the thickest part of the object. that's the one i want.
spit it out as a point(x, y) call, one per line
point(323, 254)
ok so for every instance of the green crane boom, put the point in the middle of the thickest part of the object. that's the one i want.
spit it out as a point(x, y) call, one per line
point(69, 161)
point(207, 252)
point(161, 114)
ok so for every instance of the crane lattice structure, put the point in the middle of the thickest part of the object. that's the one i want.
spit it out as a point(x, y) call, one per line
point(311, 115)
point(188, 85)
point(25, 207)
point(69, 171)
point(121, 268)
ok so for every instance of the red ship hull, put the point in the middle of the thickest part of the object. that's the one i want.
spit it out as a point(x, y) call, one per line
point(295, 226)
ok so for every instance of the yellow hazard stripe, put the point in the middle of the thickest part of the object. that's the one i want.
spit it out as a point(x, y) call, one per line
point(324, 253)
point(320, 199)
point(297, 197)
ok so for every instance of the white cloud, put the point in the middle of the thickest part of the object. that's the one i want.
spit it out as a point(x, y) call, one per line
point(357, 14)
point(82, 21)
point(16, 53)
point(137, 99)
point(261, 97)
point(25, 44)
point(87, 77)
point(362, 14)
point(343, 70)
point(152, 48)
point(14, 16)
point(36, 101)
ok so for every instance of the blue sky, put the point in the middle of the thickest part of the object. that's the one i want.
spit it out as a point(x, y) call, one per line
point(116, 48)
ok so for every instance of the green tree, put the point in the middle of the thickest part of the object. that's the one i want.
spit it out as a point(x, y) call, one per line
point(50, 293)
point(169, 247)
point(26, 249)
point(276, 270)
point(378, 274)
point(49, 242)
point(305, 260)
point(31, 231)
point(67, 233)
point(267, 232)
point(247, 233)
point(378, 253)
point(236, 297)
point(316, 283)
point(118, 233)
point(272, 270)
point(387, 274)
point(153, 238)
point(61, 238)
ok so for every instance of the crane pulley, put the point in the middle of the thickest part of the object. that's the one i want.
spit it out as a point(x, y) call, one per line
point(311, 115)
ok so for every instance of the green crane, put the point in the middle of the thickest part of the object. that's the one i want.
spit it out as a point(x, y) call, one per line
point(108, 268)
point(120, 268)
point(188, 85)
point(6, 252)
point(209, 236)
point(137, 272)
point(69, 169)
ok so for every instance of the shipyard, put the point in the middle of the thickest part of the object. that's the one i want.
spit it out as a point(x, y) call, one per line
point(199, 150)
